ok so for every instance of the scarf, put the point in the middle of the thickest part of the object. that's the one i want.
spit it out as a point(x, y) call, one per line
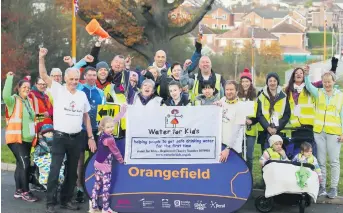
point(41, 95)
point(160, 69)
point(299, 88)
point(231, 101)
point(145, 100)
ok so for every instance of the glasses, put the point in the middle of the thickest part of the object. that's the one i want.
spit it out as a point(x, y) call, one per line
point(56, 76)
point(42, 85)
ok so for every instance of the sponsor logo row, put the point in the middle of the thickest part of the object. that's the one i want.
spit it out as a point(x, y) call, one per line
point(168, 203)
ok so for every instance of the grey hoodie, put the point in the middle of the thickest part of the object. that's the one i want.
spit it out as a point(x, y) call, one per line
point(202, 100)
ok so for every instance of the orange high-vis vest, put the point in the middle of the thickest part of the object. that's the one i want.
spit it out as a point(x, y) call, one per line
point(14, 124)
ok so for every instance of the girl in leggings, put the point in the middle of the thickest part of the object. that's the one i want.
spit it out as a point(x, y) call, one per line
point(20, 133)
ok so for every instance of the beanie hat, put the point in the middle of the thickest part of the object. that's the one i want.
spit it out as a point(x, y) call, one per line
point(46, 128)
point(246, 74)
point(274, 75)
point(102, 64)
point(273, 139)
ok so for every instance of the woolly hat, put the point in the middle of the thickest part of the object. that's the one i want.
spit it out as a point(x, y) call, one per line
point(273, 139)
point(274, 75)
point(246, 74)
point(46, 128)
point(102, 64)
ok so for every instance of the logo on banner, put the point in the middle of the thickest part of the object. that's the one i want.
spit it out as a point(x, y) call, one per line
point(215, 205)
point(165, 203)
point(172, 119)
point(182, 204)
point(147, 204)
point(123, 203)
point(200, 206)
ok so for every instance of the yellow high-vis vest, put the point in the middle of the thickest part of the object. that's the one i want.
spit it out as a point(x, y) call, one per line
point(304, 112)
point(327, 116)
point(279, 108)
point(194, 92)
point(273, 155)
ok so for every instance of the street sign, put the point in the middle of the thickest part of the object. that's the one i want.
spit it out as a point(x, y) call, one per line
point(109, 110)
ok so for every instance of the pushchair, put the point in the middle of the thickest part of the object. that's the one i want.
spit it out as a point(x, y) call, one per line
point(280, 178)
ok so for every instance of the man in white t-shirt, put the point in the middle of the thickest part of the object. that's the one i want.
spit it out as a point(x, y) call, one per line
point(70, 111)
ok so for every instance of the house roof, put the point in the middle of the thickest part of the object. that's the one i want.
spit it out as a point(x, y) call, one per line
point(268, 13)
point(215, 7)
point(290, 18)
point(242, 9)
point(285, 28)
point(246, 32)
point(206, 30)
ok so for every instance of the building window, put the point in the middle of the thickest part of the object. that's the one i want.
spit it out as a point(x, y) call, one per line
point(224, 26)
point(214, 26)
point(224, 17)
point(222, 43)
point(257, 21)
point(214, 17)
point(257, 43)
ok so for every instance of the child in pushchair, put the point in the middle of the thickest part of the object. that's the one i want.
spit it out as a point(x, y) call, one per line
point(286, 182)
point(42, 155)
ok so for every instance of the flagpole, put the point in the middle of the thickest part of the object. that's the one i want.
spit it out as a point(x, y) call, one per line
point(324, 34)
point(73, 33)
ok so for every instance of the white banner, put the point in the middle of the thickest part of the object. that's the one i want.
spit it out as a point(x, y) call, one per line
point(173, 135)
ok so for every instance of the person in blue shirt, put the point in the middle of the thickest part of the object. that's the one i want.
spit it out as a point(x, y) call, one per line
point(95, 97)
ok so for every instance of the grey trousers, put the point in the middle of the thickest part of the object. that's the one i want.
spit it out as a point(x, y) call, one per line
point(328, 145)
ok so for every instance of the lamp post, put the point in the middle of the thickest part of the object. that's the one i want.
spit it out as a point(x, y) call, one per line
point(236, 52)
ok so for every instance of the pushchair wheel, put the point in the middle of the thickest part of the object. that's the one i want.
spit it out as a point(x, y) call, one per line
point(308, 200)
point(264, 204)
point(303, 203)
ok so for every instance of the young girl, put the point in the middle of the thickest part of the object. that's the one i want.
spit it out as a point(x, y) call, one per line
point(177, 97)
point(209, 94)
point(107, 149)
point(275, 151)
point(306, 156)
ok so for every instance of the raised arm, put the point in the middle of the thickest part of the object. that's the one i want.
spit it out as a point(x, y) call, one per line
point(42, 69)
point(309, 86)
point(7, 92)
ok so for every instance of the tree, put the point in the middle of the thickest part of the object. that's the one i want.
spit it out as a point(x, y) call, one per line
point(142, 25)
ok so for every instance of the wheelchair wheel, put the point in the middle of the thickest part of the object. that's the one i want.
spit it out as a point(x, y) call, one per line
point(264, 204)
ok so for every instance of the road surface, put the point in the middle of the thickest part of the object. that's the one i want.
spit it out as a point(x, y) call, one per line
point(11, 205)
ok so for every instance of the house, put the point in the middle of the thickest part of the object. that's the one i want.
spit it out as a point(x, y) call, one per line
point(289, 35)
point(242, 36)
point(264, 17)
point(337, 19)
point(218, 18)
point(299, 16)
point(239, 12)
point(298, 23)
point(207, 37)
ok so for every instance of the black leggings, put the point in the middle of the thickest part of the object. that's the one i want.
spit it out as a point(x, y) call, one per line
point(22, 155)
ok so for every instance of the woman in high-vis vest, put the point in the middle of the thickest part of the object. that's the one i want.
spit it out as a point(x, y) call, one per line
point(328, 128)
point(41, 103)
point(20, 133)
point(247, 92)
point(273, 111)
point(302, 105)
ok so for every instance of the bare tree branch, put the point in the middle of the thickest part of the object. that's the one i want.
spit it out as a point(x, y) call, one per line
point(191, 25)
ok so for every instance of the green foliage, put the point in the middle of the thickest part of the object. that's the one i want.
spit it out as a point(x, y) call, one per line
point(308, 3)
point(317, 39)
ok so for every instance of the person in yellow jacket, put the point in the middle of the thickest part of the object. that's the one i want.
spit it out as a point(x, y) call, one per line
point(275, 151)
point(302, 105)
point(273, 111)
point(247, 92)
point(20, 133)
point(328, 128)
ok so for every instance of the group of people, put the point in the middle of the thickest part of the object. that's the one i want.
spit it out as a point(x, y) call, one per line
point(59, 120)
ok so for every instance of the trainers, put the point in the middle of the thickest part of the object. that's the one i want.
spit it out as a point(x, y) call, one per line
point(322, 191)
point(69, 206)
point(28, 196)
point(332, 193)
point(80, 198)
point(17, 193)
point(50, 209)
point(38, 188)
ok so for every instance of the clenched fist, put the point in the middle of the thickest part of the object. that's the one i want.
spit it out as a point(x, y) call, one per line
point(88, 58)
point(42, 52)
point(67, 59)
point(10, 74)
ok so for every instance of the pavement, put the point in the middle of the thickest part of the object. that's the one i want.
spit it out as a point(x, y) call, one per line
point(11, 205)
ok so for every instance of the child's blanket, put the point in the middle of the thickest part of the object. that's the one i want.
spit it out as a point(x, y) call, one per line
point(281, 178)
